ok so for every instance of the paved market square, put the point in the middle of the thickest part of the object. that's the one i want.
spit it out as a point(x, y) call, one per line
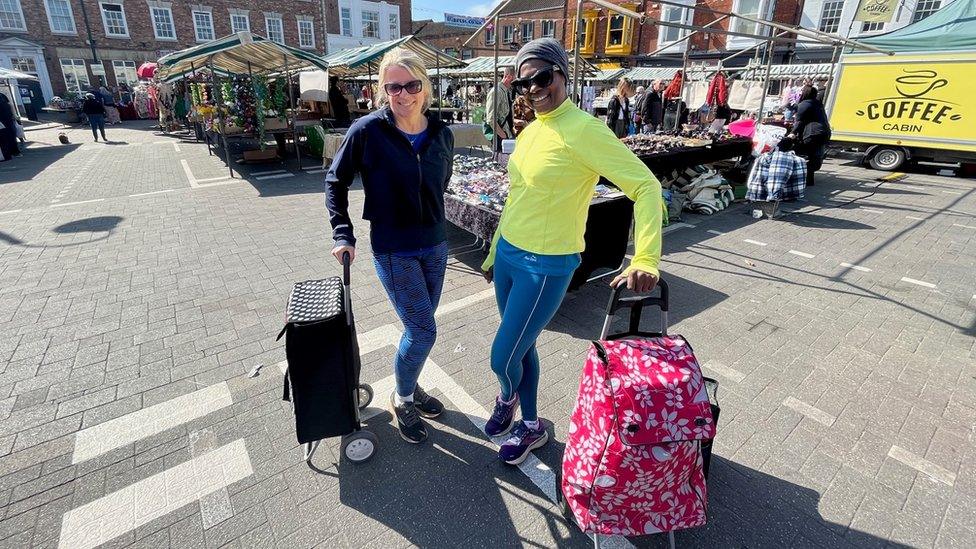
point(141, 290)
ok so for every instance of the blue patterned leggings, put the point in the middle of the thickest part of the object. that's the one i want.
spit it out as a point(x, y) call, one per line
point(414, 285)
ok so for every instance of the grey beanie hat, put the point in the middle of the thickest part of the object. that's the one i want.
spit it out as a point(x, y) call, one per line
point(546, 49)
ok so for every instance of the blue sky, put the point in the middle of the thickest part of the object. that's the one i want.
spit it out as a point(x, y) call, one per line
point(434, 9)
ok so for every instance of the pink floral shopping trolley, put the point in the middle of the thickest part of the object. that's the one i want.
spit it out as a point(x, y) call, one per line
point(640, 436)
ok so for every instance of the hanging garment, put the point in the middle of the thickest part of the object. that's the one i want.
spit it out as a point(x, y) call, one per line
point(674, 88)
point(697, 94)
point(718, 91)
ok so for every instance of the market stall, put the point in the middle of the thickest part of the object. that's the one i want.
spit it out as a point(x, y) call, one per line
point(476, 196)
point(249, 80)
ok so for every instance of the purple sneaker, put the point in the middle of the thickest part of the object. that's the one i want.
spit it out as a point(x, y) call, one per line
point(502, 418)
point(523, 440)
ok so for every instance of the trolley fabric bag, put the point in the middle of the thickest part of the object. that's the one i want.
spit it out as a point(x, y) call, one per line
point(633, 463)
point(323, 360)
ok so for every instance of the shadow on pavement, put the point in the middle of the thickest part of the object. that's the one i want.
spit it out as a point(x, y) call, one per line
point(33, 161)
point(102, 224)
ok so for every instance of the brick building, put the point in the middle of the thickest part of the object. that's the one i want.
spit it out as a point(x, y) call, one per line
point(612, 40)
point(520, 22)
point(444, 37)
point(49, 38)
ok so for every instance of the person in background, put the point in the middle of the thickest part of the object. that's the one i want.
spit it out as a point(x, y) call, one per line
point(618, 111)
point(338, 103)
point(404, 154)
point(811, 131)
point(499, 123)
point(638, 105)
point(94, 109)
point(553, 172)
point(652, 110)
point(111, 111)
point(8, 131)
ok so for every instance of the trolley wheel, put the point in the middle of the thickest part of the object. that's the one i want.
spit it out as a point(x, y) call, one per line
point(365, 394)
point(360, 446)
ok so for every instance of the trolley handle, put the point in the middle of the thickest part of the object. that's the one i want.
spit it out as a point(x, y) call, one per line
point(346, 280)
point(636, 305)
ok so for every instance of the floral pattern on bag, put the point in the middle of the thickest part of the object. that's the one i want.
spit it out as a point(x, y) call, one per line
point(633, 463)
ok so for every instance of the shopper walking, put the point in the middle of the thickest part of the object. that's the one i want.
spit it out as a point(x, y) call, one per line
point(618, 110)
point(404, 155)
point(652, 109)
point(557, 162)
point(8, 129)
point(811, 131)
point(95, 111)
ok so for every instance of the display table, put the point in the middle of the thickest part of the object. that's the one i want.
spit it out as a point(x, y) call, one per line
point(679, 159)
point(606, 236)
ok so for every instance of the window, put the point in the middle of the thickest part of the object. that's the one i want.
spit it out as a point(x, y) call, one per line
point(869, 26)
point(548, 28)
point(162, 18)
point(394, 26)
point(276, 30)
point(528, 30)
point(306, 33)
point(345, 22)
point(60, 17)
point(24, 64)
point(925, 8)
point(113, 17)
point(753, 8)
point(239, 22)
point(371, 24)
point(508, 34)
point(467, 53)
point(125, 71)
point(75, 75)
point(451, 51)
point(203, 26)
point(489, 37)
point(672, 14)
point(11, 15)
point(588, 36)
point(830, 15)
point(620, 30)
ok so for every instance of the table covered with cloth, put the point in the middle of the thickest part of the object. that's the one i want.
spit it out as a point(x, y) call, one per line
point(606, 237)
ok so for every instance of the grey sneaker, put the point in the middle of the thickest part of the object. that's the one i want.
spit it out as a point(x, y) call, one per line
point(428, 406)
point(412, 428)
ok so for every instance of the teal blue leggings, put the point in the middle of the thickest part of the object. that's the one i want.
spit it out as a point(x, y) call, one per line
point(527, 301)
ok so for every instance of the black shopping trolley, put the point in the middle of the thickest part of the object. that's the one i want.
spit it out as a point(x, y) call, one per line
point(322, 379)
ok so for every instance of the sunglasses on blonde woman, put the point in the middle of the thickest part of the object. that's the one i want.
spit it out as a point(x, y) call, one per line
point(412, 87)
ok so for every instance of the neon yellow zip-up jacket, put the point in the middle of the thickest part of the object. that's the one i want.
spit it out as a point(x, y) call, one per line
point(553, 172)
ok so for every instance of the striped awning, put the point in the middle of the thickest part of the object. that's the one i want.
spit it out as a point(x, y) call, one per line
point(239, 53)
point(484, 66)
point(10, 74)
point(365, 60)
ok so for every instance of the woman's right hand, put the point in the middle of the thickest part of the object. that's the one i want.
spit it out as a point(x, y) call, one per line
point(338, 251)
point(489, 274)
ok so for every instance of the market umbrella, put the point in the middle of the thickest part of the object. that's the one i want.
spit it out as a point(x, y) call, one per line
point(146, 71)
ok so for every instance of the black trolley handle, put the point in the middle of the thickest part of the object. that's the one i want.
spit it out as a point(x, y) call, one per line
point(346, 282)
point(636, 305)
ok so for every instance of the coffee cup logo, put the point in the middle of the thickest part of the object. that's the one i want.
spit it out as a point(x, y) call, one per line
point(914, 105)
point(876, 6)
point(915, 84)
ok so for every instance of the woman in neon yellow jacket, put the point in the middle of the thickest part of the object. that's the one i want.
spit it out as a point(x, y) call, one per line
point(557, 162)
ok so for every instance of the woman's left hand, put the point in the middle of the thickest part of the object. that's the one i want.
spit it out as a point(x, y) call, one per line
point(637, 280)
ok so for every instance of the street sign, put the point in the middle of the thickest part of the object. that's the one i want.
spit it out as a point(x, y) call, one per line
point(463, 21)
point(97, 69)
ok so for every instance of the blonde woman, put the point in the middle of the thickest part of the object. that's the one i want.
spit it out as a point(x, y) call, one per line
point(618, 111)
point(404, 157)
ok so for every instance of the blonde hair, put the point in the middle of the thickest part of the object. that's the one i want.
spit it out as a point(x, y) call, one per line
point(624, 87)
point(412, 63)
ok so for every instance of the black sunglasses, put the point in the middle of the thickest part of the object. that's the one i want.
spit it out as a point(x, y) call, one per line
point(413, 88)
point(542, 78)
